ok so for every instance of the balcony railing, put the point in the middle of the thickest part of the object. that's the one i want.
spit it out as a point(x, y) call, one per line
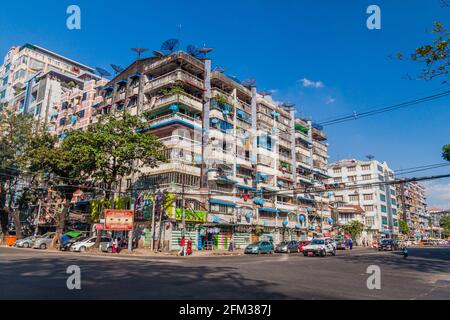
point(174, 116)
point(172, 77)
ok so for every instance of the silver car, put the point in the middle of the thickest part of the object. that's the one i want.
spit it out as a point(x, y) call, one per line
point(27, 242)
point(44, 241)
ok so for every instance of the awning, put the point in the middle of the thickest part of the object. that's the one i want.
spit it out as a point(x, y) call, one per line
point(136, 75)
point(269, 189)
point(244, 166)
point(240, 186)
point(285, 179)
point(108, 88)
point(123, 81)
point(268, 209)
point(224, 203)
point(227, 180)
point(305, 167)
point(72, 234)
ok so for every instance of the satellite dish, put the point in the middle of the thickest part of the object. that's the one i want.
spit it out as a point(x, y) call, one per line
point(158, 54)
point(102, 72)
point(370, 157)
point(117, 68)
point(170, 45)
point(219, 69)
point(265, 93)
point(139, 51)
point(288, 105)
point(193, 51)
point(204, 51)
point(250, 82)
point(234, 78)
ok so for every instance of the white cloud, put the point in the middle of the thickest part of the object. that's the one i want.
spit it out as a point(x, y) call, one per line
point(438, 194)
point(330, 100)
point(311, 84)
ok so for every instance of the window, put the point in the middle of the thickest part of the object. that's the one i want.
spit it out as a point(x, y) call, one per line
point(337, 170)
point(339, 198)
point(365, 167)
point(368, 196)
point(5, 81)
point(81, 114)
point(368, 208)
point(380, 177)
point(352, 178)
point(383, 209)
point(383, 197)
point(394, 202)
point(367, 187)
point(366, 176)
point(384, 220)
point(381, 187)
point(62, 121)
point(370, 221)
point(353, 197)
point(380, 168)
point(2, 94)
point(338, 180)
point(84, 96)
point(393, 192)
point(351, 169)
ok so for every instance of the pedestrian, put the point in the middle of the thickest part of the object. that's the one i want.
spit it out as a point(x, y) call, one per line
point(189, 247)
point(350, 244)
point(114, 246)
point(182, 244)
point(118, 244)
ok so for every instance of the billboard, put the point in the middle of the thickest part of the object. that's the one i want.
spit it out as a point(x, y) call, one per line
point(118, 220)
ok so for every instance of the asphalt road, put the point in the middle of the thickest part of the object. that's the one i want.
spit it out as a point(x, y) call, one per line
point(35, 274)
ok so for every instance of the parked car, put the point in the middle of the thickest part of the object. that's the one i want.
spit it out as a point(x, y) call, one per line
point(44, 241)
point(302, 244)
point(68, 244)
point(388, 244)
point(27, 242)
point(320, 247)
point(288, 247)
point(81, 246)
point(260, 247)
point(341, 244)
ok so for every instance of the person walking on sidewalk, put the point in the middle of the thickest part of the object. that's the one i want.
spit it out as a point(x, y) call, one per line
point(189, 247)
point(350, 244)
point(182, 244)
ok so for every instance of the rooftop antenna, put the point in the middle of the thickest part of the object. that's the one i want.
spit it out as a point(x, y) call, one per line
point(370, 157)
point(204, 51)
point(102, 72)
point(139, 51)
point(265, 93)
point(250, 82)
point(288, 105)
point(170, 45)
point(158, 54)
point(193, 51)
point(117, 69)
point(219, 69)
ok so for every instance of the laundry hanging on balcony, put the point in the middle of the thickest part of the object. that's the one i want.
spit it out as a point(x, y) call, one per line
point(258, 201)
point(73, 119)
point(285, 223)
point(275, 114)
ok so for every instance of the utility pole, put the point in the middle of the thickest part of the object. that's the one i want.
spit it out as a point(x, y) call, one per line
point(183, 216)
point(152, 238)
point(37, 219)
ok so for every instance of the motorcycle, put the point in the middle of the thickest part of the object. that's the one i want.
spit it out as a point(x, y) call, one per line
point(405, 253)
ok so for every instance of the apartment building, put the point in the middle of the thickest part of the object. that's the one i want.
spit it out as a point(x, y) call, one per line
point(412, 208)
point(365, 186)
point(33, 78)
point(436, 214)
point(232, 152)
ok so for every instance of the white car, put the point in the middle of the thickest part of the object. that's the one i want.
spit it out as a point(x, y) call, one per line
point(87, 243)
point(320, 247)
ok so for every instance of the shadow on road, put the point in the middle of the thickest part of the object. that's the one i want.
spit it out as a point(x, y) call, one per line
point(41, 278)
point(420, 259)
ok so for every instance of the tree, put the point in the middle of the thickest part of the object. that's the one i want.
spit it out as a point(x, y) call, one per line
point(109, 149)
point(445, 224)
point(436, 58)
point(16, 130)
point(354, 228)
point(61, 169)
point(403, 226)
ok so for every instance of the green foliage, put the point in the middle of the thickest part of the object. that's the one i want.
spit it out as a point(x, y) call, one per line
point(354, 228)
point(109, 148)
point(221, 100)
point(176, 89)
point(445, 224)
point(403, 226)
point(435, 55)
point(446, 152)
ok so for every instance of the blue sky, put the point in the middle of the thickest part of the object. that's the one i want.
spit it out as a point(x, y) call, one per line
point(280, 43)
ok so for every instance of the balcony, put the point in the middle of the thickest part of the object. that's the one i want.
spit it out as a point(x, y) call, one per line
point(172, 77)
point(174, 118)
point(318, 134)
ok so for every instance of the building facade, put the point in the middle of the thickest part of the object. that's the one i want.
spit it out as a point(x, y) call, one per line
point(240, 166)
point(365, 186)
point(412, 208)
